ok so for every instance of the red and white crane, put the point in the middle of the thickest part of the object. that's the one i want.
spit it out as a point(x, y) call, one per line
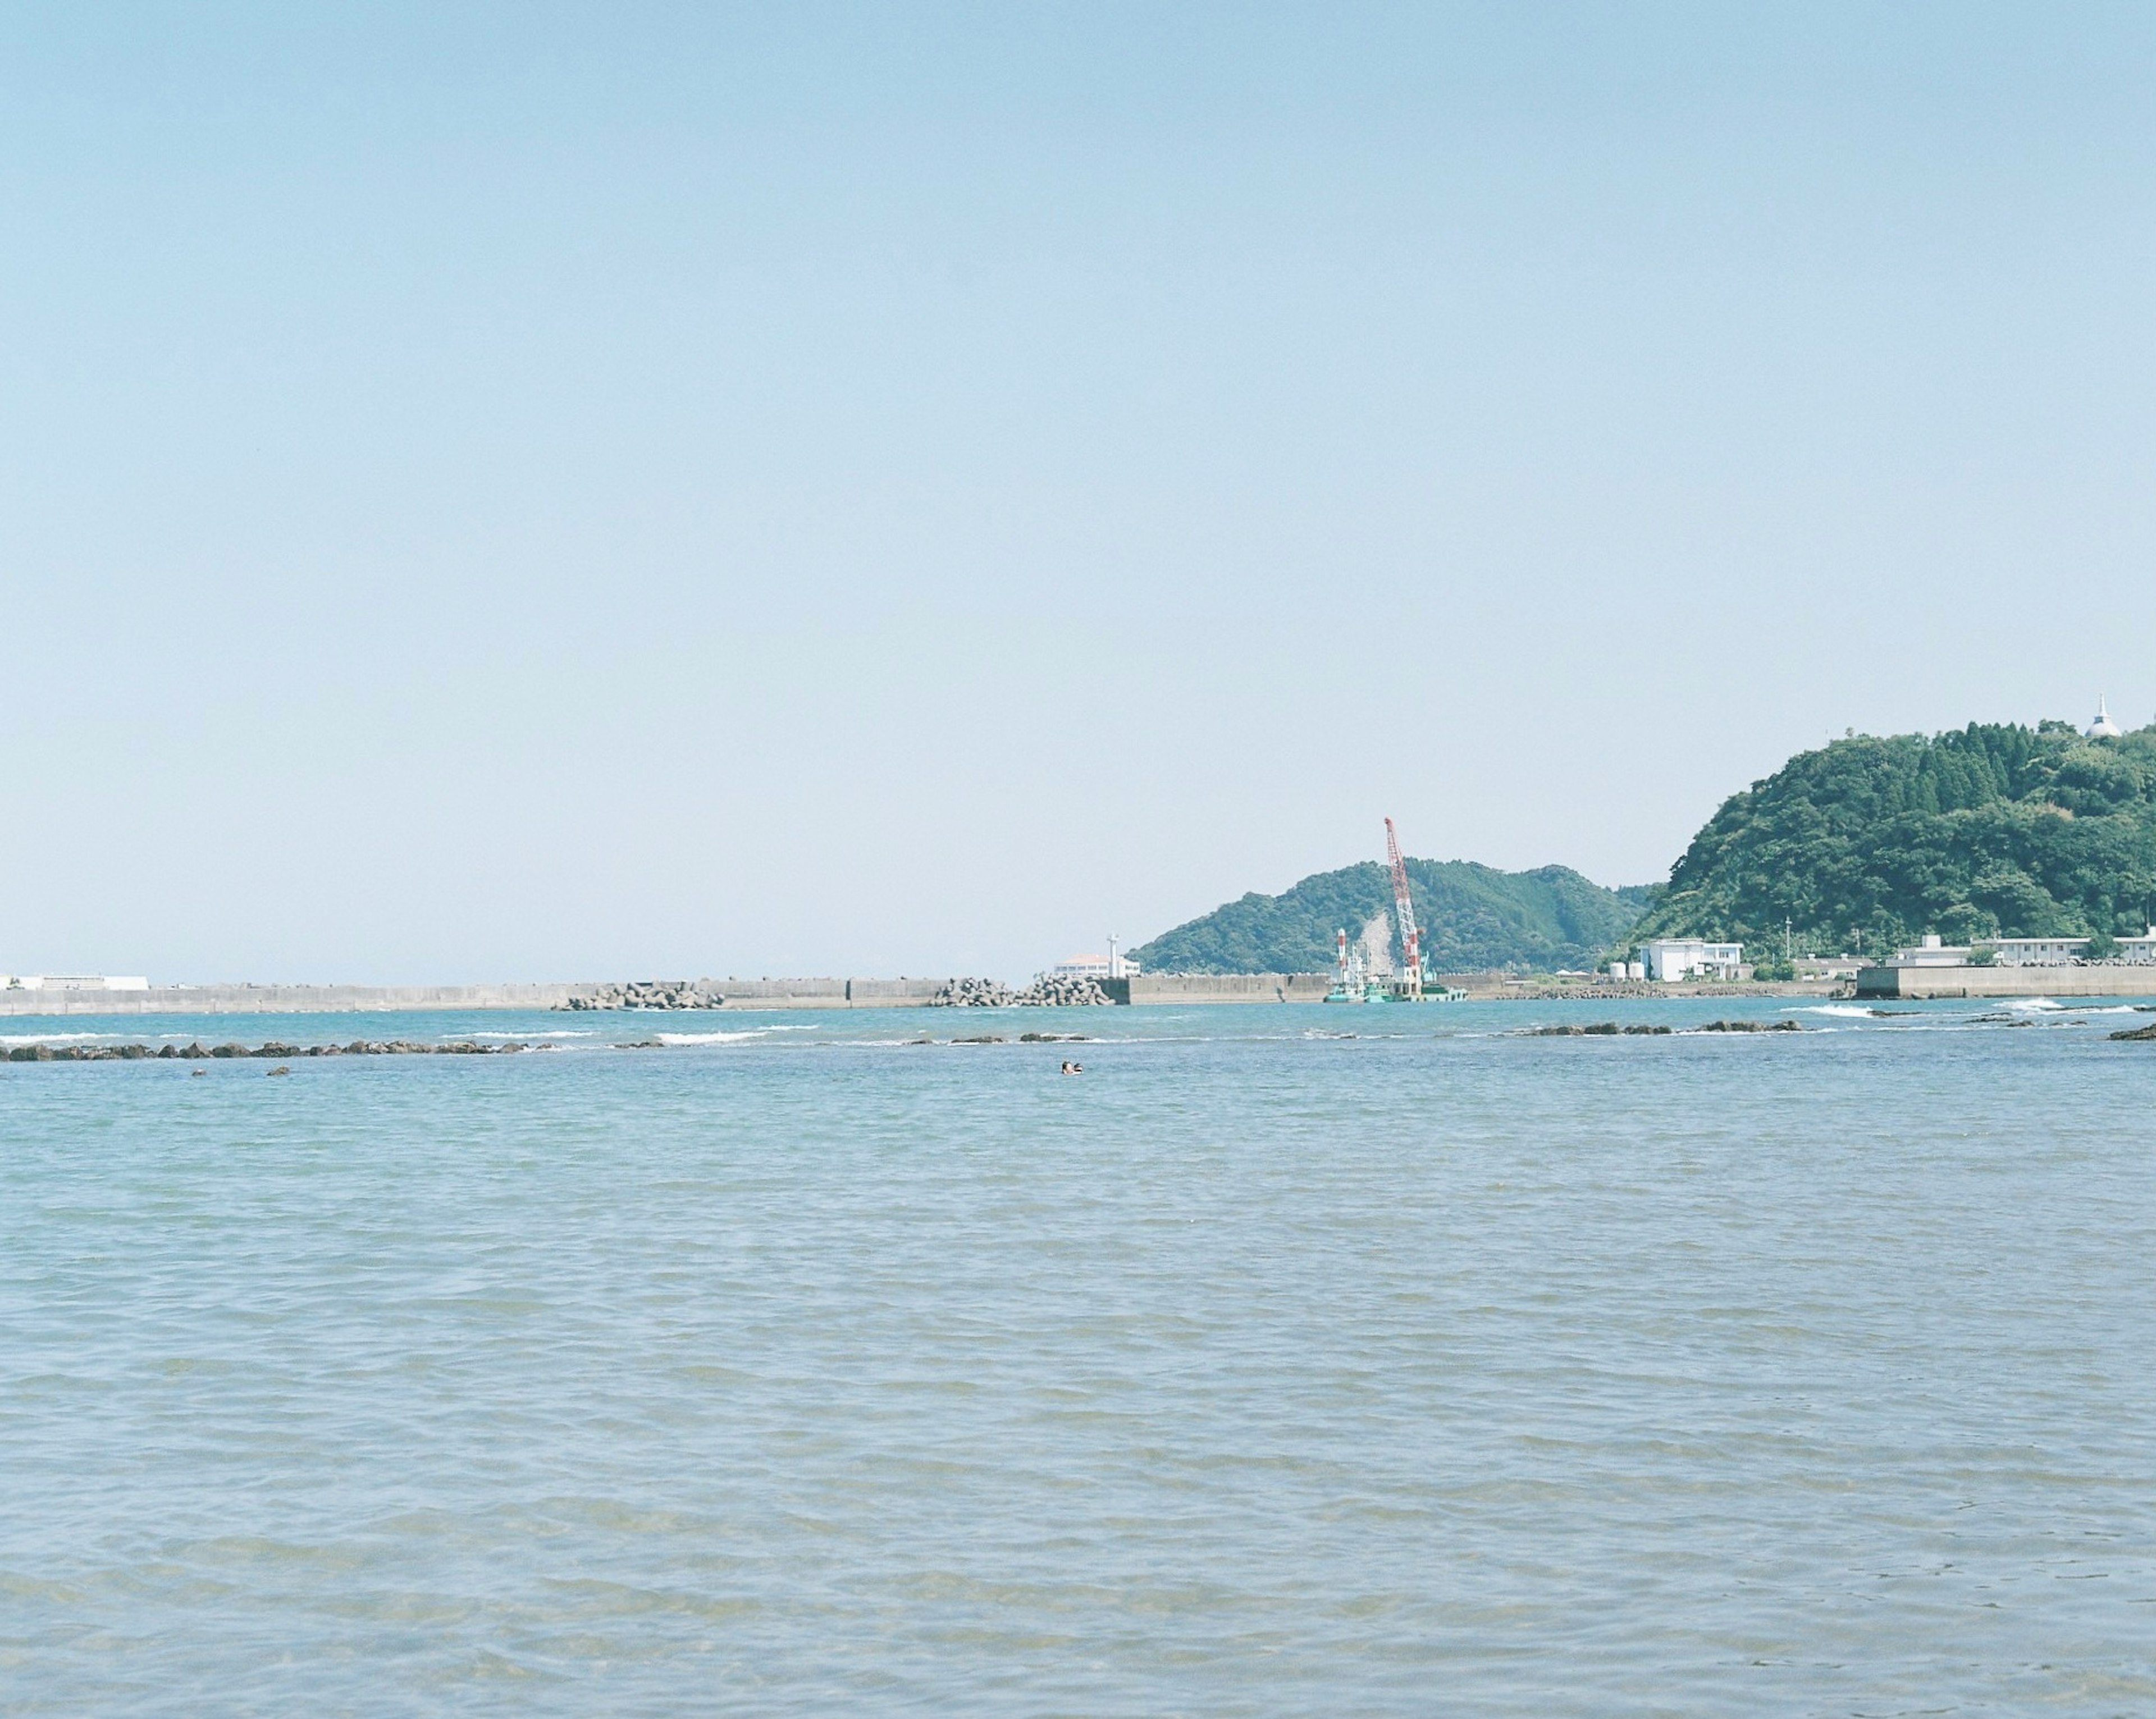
point(1410, 939)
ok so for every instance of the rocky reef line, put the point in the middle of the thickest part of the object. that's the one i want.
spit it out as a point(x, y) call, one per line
point(199, 1052)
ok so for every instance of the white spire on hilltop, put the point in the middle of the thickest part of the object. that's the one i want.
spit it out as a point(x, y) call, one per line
point(2104, 728)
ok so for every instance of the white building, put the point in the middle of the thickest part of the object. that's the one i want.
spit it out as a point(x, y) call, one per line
point(2039, 952)
point(2104, 728)
point(1094, 966)
point(1670, 958)
point(2065, 952)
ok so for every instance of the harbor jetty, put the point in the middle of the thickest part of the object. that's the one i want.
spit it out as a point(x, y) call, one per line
point(1051, 990)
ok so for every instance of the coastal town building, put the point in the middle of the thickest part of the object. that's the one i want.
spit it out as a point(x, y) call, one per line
point(2029, 951)
point(1095, 966)
point(1668, 959)
point(2038, 951)
point(1930, 953)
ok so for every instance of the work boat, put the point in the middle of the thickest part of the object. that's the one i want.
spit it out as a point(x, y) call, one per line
point(1349, 982)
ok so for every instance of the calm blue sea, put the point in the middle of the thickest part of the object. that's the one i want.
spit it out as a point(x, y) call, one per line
point(1288, 1361)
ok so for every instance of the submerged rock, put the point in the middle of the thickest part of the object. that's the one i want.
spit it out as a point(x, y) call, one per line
point(1599, 1030)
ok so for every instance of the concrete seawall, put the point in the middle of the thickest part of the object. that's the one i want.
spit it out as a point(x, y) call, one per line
point(732, 993)
point(1140, 989)
point(1220, 988)
point(282, 1000)
point(1914, 982)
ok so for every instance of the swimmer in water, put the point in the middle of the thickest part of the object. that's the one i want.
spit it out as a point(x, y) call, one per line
point(1074, 1068)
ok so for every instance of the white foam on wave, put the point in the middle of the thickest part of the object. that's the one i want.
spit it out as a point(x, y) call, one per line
point(2032, 1005)
point(712, 1038)
point(558, 1033)
point(1855, 1010)
point(52, 1038)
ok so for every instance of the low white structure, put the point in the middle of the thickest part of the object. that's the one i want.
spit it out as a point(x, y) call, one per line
point(1671, 959)
point(1094, 966)
point(2039, 952)
point(2068, 952)
point(1628, 969)
point(72, 982)
point(1930, 953)
point(2104, 728)
point(2138, 952)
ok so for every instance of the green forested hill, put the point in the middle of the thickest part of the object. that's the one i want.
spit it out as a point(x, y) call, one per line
point(1473, 917)
point(1991, 831)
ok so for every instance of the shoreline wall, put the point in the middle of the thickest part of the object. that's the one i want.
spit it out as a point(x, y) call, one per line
point(283, 999)
point(1144, 989)
point(726, 994)
point(1919, 982)
point(1220, 988)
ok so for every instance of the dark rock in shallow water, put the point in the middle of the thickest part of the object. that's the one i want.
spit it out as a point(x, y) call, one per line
point(273, 1050)
point(1599, 1029)
point(2129, 1034)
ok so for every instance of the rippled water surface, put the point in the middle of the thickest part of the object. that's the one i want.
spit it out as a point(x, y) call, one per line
point(1257, 1370)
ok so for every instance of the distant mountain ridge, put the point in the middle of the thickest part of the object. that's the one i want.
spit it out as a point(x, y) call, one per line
point(1473, 918)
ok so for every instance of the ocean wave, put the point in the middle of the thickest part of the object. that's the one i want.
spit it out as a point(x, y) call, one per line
point(2031, 1005)
point(1853, 1010)
point(713, 1038)
point(53, 1038)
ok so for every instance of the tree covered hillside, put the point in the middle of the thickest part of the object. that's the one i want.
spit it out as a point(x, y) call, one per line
point(1993, 831)
point(1472, 918)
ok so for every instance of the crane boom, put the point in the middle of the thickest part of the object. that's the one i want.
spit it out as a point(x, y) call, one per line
point(1410, 939)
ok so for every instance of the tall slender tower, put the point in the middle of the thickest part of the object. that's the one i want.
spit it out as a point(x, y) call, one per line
point(1404, 908)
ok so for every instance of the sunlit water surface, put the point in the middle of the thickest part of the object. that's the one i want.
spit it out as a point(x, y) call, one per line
point(791, 1367)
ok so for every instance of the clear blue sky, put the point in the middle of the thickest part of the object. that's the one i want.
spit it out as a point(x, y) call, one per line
point(547, 490)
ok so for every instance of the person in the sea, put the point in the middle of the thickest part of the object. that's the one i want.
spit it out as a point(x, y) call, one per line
point(1074, 1068)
